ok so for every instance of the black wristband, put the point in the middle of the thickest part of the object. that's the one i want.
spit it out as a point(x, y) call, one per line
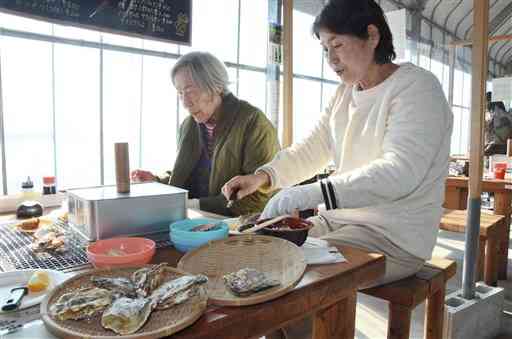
point(334, 204)
point(324, 193)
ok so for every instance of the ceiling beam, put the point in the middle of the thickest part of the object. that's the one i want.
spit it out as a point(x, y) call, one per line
point(400, 5)
point(503, 16)
point(496, 38)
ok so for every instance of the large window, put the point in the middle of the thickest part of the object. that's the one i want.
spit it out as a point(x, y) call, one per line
point(461, 111)
point(66, 103)
point(77, 115)
point(27, 109)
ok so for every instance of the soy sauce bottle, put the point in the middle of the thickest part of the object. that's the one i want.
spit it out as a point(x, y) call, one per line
point(49, 186)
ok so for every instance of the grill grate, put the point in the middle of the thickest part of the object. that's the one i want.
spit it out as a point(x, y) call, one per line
point(16, 253)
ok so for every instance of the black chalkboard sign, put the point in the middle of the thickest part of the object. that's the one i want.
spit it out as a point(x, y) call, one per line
point(168, 20)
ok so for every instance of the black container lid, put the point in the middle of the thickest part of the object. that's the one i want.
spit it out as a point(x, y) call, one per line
point(27, 184)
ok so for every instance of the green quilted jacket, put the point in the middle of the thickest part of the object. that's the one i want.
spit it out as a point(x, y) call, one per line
point(245, 140)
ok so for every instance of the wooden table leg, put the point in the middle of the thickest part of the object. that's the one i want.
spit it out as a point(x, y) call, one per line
point(455, 198)
point(491, 264)
point(399, 324)
point(480, 268)
point(502, 201)
point(434, 315)
point(337, 321)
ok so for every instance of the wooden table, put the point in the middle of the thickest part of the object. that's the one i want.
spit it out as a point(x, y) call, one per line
point(492, 226)
point(456, 196)
point(326, 292)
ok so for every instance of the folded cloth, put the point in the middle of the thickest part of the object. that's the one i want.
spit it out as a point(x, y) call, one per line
point(315, 255)
point(312, 242)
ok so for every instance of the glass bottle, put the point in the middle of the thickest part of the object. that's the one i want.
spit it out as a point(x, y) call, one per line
point(49, 186)
point(27, 189)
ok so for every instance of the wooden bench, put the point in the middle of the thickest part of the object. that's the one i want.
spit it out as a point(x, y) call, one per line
point(492, 227)
point(404, 295)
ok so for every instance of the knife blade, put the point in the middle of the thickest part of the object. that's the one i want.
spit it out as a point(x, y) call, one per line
point(232, 198)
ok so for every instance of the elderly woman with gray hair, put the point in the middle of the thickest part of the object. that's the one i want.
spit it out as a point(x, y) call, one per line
point(223, 137)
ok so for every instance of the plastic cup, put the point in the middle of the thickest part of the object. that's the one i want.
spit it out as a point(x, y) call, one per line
point(499, 170)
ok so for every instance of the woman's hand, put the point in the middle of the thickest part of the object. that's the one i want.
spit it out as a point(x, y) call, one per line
point(142, 176)
point(243, 185)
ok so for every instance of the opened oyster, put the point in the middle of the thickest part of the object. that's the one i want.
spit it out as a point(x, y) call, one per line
point(119, 286)
point(177, 291)
point(49, 240)
point(247, 281)
point(148, 278)
point(126, 315)
point(81, 304)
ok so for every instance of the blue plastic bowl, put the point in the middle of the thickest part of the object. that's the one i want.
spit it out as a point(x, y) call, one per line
point(184, 240)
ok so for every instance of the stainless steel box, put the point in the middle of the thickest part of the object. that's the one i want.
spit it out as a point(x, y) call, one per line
point(149, 208)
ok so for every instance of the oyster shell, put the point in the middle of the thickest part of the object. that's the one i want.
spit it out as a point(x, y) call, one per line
point(248, 281)
point(147, 279)
point(49, 240)
point(120, 285)
point(81, 304)
point(126, 315)
point(177, 291)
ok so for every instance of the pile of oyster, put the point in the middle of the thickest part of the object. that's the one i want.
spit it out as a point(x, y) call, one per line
point(127, 303)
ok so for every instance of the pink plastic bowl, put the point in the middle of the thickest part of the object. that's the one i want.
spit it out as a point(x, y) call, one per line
point(118, 252)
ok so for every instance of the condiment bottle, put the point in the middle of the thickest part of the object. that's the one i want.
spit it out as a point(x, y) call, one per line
point(27, 190)
point(49, 186)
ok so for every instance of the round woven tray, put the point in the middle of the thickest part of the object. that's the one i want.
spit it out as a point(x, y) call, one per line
point(160, 323)
point(277, 258)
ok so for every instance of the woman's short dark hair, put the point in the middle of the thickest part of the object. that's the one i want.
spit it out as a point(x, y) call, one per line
point(352, 17)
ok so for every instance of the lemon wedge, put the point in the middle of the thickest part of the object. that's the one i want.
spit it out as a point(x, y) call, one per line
point(39, 281)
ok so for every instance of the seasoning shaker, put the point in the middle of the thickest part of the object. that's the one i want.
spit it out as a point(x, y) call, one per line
point(49, 186)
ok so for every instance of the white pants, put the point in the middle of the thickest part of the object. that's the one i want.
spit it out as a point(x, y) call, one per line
point(399, 263)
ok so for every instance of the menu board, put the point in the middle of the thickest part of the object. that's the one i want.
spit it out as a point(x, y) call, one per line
point(168, 20)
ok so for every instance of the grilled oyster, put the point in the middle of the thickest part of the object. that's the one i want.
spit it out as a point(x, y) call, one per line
point(120, 286)
point(247, 281)
point(81, 304)
point(177, 291)
point(49, 241)
point(148, 278)
point(126, 315)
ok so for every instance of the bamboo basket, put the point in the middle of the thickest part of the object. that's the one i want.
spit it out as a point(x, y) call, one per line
point(161, 323)
point(279, 259)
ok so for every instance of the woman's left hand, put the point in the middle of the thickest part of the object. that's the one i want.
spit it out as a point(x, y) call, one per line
point(289, 200)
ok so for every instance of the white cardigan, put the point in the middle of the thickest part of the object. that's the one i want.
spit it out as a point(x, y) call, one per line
point(390, 145)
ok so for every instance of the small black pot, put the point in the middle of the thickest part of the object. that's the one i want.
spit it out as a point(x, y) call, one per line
point(291, 229)
point(29, 209)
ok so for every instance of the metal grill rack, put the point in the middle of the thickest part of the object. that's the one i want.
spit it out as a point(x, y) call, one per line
point(16, 252)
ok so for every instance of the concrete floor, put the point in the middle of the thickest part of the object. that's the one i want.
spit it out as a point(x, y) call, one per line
point(372, 313)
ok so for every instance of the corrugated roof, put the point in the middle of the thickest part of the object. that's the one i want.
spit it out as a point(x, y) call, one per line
point(454, 16)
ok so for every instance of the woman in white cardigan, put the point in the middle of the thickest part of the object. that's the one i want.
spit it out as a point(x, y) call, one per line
point(387, 130)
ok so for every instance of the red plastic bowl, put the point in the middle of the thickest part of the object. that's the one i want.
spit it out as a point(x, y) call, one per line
point(119, 252)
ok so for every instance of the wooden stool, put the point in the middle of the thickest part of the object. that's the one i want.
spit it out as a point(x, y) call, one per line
point(404, 295)
point(492, 227)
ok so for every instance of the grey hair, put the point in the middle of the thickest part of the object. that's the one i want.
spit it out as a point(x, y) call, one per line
point(208, 72)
